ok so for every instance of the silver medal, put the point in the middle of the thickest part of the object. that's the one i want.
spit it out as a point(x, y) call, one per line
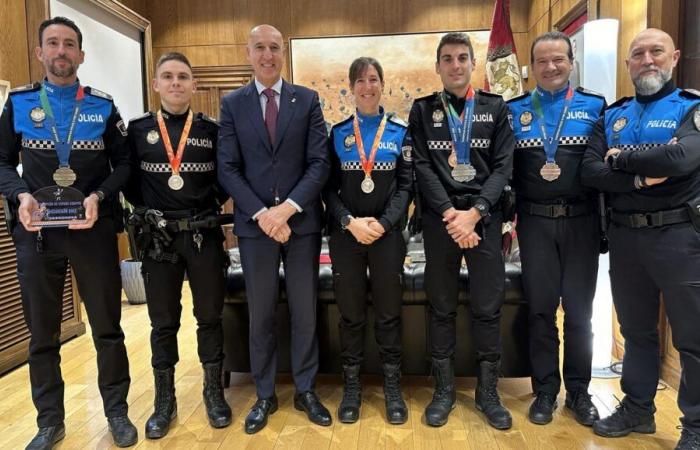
point(175, 182)
point(367, 185)
point(550, 171)
point(463, 172)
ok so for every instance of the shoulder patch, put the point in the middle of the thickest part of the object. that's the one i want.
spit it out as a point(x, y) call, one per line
point(690, 93)
point(147, 115)
point(522, 96)
point(589, 92)
point(26, 88)
point(204, 117)
point(620, 102)
point(397, 120)
point(97, 93)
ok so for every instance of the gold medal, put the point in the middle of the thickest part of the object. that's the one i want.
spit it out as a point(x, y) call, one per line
point(152, 137)
point(64, 176)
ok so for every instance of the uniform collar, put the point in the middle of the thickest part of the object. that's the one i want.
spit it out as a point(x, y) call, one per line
point(370, 120)
point(552, 96)
point(667, 88)
point(171, 116)
point(54, 89)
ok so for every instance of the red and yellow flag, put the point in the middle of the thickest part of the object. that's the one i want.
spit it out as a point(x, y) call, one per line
point(502, 70)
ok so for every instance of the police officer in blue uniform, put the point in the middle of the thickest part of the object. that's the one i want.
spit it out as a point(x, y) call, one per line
point(558, 226)
point(463, 151)
point(645, 153)
point(61, 122)
point(367, 197)
point(173, 183)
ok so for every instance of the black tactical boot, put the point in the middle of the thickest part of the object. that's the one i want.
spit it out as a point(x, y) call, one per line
point(46, 437)
point(396, 411)
point(625, 420)
point(487, 399)
point(584, 410)
point(445, 395)
point(349, 408)
point(165, 405)
point(542, 408)
point(689, 440)
point(124, 432)
point(218, 411)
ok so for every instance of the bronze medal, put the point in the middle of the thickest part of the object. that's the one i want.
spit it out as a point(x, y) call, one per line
point(452, 159)
point(64, 176)
point(550, 171)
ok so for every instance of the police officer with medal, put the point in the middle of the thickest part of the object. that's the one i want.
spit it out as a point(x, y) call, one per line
point(645, 153)
point(558, 226)
point(70, 137)
point(174, 186)
point(367, 197)
point(463, 149)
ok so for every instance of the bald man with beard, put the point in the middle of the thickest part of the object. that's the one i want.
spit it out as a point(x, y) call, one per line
point(645, 154)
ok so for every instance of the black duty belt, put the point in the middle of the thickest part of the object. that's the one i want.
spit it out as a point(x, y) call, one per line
point(651, 219)
point(555, 210)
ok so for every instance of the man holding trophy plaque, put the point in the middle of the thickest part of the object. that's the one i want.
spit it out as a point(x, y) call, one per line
point(75, 159)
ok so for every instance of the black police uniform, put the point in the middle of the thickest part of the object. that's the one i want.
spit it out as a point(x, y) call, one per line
point(100, 159)
point(388, 203)
point(199, 252)
point(654, 246)
point(558, 234)
point(492, 145)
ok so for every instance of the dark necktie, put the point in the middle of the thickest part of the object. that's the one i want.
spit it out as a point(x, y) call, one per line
point(270, 114)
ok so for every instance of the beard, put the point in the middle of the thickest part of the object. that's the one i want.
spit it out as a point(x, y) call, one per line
point(651, 84)
point(66, 72)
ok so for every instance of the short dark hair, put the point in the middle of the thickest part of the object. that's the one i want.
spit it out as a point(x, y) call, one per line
point(552, 36)
point(173, 56)
point(358, 67)
point(455, 38)
point(58, 20)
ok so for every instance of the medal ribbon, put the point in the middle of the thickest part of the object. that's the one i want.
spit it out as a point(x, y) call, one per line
point(174, 159)
point(368, 165)
point(551, 143)
point(461, 126)
point(63, 148)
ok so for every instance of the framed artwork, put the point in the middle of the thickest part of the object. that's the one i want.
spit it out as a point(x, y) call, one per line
point(4, 93)
point(408, 61)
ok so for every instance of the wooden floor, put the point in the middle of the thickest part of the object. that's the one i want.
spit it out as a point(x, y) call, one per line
point(288, 428)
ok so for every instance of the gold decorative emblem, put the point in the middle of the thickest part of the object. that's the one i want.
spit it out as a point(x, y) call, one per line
point(620, 124)
point(438, 115)
point(349, 140)
point(37, 115)
point(152, 137)
point(526, 118)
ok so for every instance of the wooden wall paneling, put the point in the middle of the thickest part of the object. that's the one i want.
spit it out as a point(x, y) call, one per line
point(633, 20)
point(37, 11)
point(14, 62)
point(249, 13)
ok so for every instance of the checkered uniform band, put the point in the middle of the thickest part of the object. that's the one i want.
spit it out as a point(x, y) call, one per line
point(184, 167)
point(637, 147)
point(447, 145)
point(564, 140)
point(47, 144)
point(356, 165)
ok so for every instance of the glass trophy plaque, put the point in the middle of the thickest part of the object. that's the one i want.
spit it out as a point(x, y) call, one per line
point(59, 206)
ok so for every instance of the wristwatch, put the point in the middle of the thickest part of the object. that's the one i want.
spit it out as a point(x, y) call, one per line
point(482, 208)
point(100, 195)
point(345, 221)
point(612, 160)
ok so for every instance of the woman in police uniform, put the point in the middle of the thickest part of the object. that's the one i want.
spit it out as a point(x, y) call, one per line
point(367, 198)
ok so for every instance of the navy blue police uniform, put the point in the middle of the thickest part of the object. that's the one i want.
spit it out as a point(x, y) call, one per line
point(100, 158)
point(388, 204)
point(558, 233)
point(654, 236)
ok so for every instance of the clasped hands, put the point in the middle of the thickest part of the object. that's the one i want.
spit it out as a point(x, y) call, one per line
point(273, 221)
point(365, 230)
point(460, 226)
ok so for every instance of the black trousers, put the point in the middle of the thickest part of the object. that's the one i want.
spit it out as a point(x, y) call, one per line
point(384, 258)
point(163, 280)
point(486, 286)
point(260, 260)
point(643, 264)
point(94, 258)
point(559, 263)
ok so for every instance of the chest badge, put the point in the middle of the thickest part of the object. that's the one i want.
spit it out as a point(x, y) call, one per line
point(620, 124)
point(349, 141)
point(38, 115)
point(526, 118)
point(152, 137)
point(696, 118)
point(438, 116)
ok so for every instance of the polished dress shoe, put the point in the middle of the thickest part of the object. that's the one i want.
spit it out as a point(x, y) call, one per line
point(46, 437)
point(123, 431)
point(315, 411)
point(256, 419)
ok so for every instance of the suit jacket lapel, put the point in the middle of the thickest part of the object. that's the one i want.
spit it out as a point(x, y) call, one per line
point(286, 113)
point(256, 115)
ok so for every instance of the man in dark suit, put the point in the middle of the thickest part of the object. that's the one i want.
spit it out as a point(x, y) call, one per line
point(273, 161)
